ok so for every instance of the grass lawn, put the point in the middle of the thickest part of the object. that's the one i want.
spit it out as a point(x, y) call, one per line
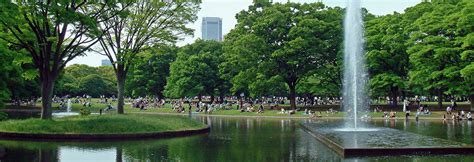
point(436, 114)
point(276, 113)
point(104, 124)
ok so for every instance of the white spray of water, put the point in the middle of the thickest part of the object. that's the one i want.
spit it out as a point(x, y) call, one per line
point(355, 98)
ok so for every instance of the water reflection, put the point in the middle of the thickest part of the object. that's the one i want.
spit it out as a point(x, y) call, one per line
point(231, 139)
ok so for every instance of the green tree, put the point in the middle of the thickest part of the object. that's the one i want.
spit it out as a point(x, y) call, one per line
point(195, 71)
point(53, 33)
point(78, 79)
point(387, 59)
point(293, 40)
point(436, 46)
point(148, 75)
point(142, 24)
point(93, 84)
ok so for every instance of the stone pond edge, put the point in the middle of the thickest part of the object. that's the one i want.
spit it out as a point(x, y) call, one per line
point(358, 152)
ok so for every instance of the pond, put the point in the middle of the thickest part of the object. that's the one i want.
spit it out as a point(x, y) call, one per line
point(232, 139)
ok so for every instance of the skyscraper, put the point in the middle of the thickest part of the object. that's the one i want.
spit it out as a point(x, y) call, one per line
point(212, 28)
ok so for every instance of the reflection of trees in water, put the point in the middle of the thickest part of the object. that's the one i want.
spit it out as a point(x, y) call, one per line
point(40, 155)
point(231, 139)
point(119, 154)
point(48, 155)
point(239, 139)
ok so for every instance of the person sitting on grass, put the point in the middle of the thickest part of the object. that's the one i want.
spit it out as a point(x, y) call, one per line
point(469, 116)
point(209, 111)
point(109, 107)
point(142, 106)
point(448, 110)
point(377, 109)
point(427, 111)
point(250, 109)
point(190, 106)
point(291, 112)
point(260, 109)
point(311, 114)
point(393, 114)
point(385, 115)
point(282, 111)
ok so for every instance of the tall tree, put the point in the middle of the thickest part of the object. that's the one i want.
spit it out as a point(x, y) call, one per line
point(81, 79)
point(53, 33)
point(148, 75)
point(240, 57)
point(142, 24)
point(436, 46)
point(387, 59)
point(195, 71)
point(295, 37)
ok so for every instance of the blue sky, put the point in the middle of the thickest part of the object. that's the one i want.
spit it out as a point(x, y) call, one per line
point(226, 9)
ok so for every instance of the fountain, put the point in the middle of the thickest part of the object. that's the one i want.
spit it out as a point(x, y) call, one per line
point(68, 111)
point(354, 138)
point(68, 105)
point(355, 99)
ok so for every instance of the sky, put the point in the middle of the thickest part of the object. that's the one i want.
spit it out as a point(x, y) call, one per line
point(226, 9)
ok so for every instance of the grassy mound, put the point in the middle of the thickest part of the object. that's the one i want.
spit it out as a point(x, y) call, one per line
point(104, 124)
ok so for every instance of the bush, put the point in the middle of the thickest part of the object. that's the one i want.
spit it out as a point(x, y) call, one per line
point(85, 112)
point(3, 116)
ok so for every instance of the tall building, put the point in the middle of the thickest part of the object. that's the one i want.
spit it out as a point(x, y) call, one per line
point(212, 28)
point(106, 62)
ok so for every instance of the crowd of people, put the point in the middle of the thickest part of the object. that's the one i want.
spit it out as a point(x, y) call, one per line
point(452, 113)
point(208, 105)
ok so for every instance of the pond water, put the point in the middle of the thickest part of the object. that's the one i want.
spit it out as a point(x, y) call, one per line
point(232, 139)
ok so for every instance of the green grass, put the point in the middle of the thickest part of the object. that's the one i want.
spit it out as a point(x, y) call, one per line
point(104, 124)
point(276, 113)
point(437, 114)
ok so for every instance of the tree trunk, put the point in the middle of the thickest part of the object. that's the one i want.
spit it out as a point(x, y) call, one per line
point(440, 100)
point(47, 87)
point(121, 91)
point(119, 154)
point(212, 99)
point(311, 99)
point(292, 96)
point(394, 94)
point(47, 155)
point(471, 99)
point(221, 97)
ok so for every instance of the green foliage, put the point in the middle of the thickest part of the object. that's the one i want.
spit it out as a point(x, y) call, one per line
point(3, 116)
point(387, 59)
point(281, 42)
point(439, 41)
point(14, 64)
point(148, 75)
point(77, 80)
point(52, 33)
point(139, 26)
point(195, 71)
